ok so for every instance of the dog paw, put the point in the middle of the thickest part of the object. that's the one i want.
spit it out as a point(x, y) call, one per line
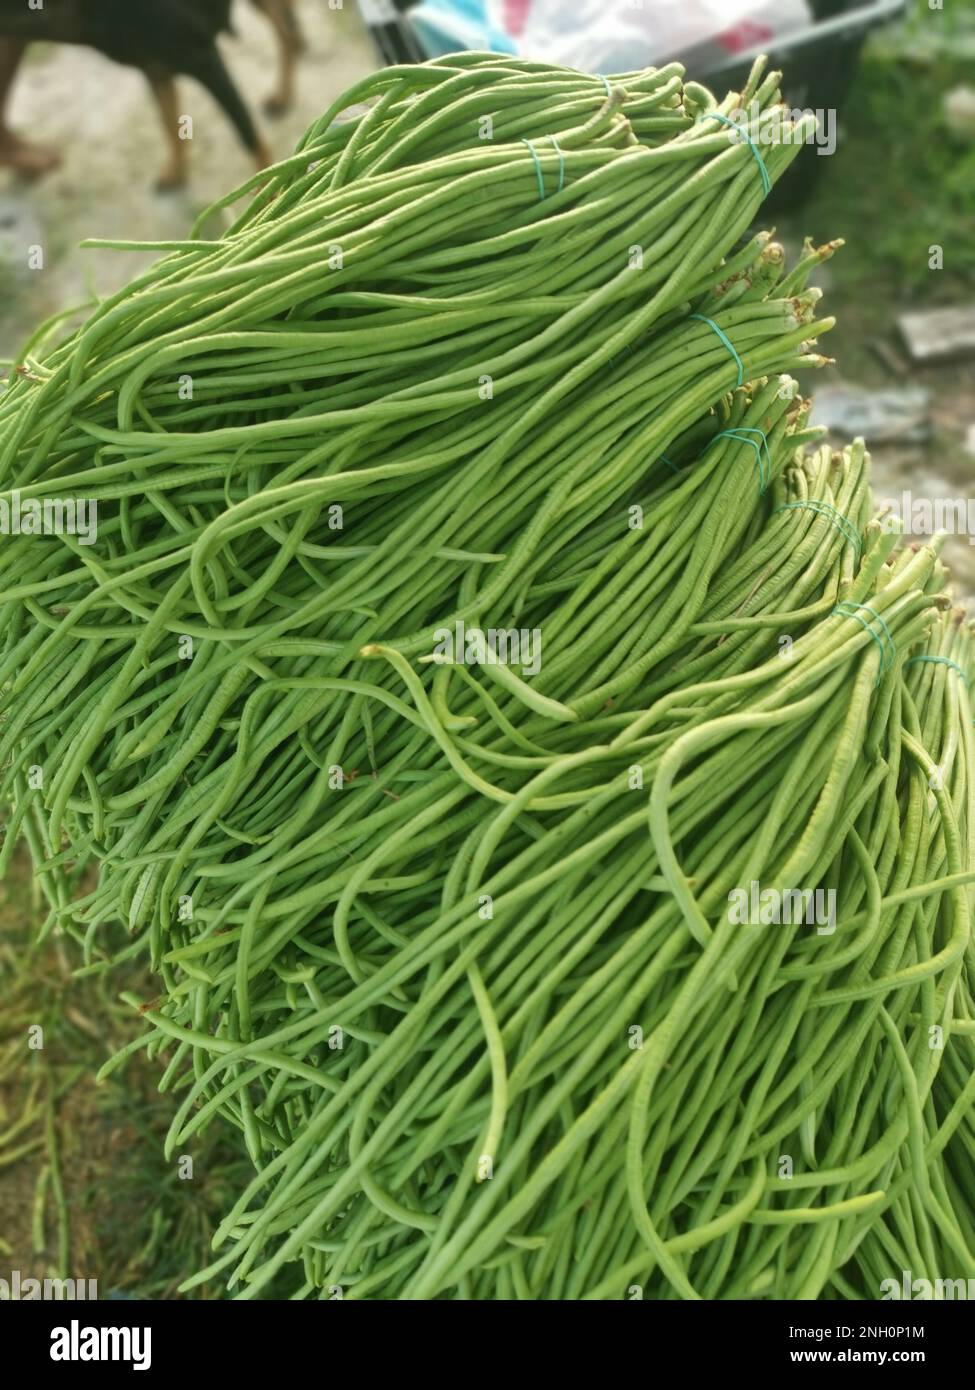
point(30, 161)
point(170, 180)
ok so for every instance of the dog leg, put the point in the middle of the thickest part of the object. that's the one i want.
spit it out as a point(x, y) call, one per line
point(15, 153)
point(209, 68)
point(163, 88)
point(298, 40)
point(284, 22)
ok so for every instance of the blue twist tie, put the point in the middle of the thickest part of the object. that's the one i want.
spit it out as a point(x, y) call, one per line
point(726, 120)
point(727, 342)
point(741, 433)
point(842, 523)
point(538, 169)
point(849, 610)
point(939, 661)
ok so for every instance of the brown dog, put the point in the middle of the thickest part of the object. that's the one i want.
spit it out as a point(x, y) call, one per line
point(164, 38)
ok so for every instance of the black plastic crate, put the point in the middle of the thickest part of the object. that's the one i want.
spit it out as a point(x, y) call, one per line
point(391, 32)
point(819, 64)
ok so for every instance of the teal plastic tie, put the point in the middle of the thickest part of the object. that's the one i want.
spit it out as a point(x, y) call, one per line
point(727, 342)
point(842, 523)
point(538, 169)
point(850, 610)
point(939, 661)
point(672, 466)
point(605, 81)
point(726, 120)
point(741, 433)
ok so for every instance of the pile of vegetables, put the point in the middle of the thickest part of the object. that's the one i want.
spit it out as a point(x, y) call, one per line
point(447, 938)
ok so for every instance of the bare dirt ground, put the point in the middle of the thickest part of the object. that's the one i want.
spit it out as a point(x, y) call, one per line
point(99, 115)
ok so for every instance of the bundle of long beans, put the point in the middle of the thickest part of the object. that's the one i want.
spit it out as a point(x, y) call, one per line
point(451, 945)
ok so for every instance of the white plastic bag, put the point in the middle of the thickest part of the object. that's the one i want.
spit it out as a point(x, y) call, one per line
point(609, 35)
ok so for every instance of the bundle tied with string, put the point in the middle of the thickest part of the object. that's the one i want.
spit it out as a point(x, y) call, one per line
point(442, 929)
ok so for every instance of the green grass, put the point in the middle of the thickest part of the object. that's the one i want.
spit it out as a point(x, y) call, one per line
point(898, 184)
